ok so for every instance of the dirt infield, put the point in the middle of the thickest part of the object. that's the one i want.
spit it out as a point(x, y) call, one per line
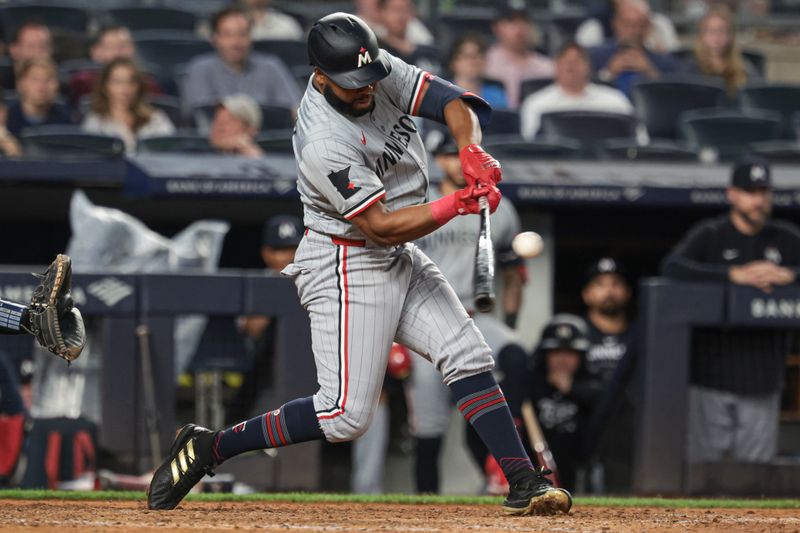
point(57, 516)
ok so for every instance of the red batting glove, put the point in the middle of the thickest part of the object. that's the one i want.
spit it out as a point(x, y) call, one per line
point(479, 167)
point(464, 202)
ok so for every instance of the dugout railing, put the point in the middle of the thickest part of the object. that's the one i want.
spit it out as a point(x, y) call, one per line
point(116, 304)
point(669, 312)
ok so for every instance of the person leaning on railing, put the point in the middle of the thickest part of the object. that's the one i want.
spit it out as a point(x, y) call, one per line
point(737, 375)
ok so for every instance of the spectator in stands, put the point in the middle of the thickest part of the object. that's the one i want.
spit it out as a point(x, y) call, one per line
point(236, 122)
point(32, 40)
point(416, 31)
point(269, 23)
point(467, 65)
point(610, 362)
point(572, 91)
point(626, 58)
point(395, 17)
point(661, 37)
point(510, 60)
point(110, 43)
point(37, 86)
point(736, 375)
point(119, 106)
point(234, 68)
point(9, 146)
point(716, 53)
point(561, 392)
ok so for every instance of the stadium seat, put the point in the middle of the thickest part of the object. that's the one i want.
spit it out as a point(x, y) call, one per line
point(659, 103)
point(167, 53)
point(171, 106)
point(69, 142)
point(272, 117)
point(531, 86)
point(515, 147)
point(292, 53)
point(54, 16)
point(657, 150)
point(181, 142)
point(728, 133)
point(560, 28)
point(468, 20)
point(784, 99)
point(153, 18)
point(276, 142)
point(589, 128)
point(7, 78)
point(503, 122)
point(778, 151)
point(756, 58)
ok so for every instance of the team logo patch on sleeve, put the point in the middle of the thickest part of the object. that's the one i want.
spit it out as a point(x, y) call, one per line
point(341, 180)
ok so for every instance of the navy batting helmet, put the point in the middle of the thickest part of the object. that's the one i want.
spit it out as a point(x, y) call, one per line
point(565, 331)
point(346, 50)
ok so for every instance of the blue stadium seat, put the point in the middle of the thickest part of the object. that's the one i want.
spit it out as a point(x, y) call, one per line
point(754, 57)
point(167, 51)
point(659, 103)
point(278, 141)
point(180, 142)
point(291, 52)
point(503, 122)
point(782, 151)
point(657, 150)
point(729, 133)
point(531, 86)
point(468, 20)
point(54, 16)
point(273, 117)
point(781, 98)
point(515, 147)
point(589, 128)
point(153, 18)
point(69, 142)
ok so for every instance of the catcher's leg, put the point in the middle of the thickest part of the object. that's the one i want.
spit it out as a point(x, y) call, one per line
point(13, 318)
point(437, 326)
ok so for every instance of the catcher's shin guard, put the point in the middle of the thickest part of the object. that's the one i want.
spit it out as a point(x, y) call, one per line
point(189, 460)
point(532, 494)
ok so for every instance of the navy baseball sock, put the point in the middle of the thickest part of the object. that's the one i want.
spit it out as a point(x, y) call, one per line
point(294, 422)
point(483, 405)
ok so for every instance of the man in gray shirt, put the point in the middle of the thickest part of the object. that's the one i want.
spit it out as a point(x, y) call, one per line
point(234, 68)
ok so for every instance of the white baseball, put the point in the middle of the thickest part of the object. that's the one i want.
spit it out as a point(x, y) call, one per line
point(528, 244)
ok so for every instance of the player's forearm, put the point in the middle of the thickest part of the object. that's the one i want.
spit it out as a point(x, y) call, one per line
point(463, 123)
point(388, 228)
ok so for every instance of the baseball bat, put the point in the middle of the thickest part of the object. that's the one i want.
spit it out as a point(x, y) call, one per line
point(148, 383)
point(539, 444)
point(484, 262)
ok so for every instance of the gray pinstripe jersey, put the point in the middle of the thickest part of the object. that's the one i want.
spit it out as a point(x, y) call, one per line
point(346, 164)
point(452, 247)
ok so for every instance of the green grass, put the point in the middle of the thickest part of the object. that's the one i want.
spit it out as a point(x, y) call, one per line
point(302, 497)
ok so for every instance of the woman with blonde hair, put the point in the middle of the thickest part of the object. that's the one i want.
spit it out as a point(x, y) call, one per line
point(716, 53)
point(119, 106)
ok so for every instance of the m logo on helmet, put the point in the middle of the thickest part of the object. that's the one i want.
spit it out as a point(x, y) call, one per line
point(363, 57)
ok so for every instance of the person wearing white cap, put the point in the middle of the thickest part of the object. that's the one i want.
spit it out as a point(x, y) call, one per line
point(236, 123)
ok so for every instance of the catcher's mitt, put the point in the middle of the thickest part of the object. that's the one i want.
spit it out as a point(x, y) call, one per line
point(52, 318)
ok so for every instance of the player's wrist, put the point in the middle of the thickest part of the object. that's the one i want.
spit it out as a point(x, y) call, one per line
point(444, 209)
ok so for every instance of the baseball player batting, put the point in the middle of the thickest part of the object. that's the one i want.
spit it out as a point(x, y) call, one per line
point(363, 183)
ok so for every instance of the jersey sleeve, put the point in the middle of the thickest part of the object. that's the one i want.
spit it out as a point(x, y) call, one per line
point(337, 170)
point(403, 83)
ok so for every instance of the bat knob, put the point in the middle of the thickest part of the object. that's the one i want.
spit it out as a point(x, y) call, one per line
point(484, 304)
